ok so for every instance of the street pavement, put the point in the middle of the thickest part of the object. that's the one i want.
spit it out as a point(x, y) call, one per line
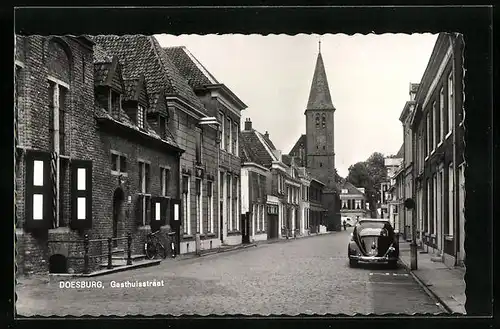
point(309, 276)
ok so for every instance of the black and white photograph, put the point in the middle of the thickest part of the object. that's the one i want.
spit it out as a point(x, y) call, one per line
point(249, 174)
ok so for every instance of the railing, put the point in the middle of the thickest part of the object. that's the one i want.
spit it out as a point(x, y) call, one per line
point(86, 246)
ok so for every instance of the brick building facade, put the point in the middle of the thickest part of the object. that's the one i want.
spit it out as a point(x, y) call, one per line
point(222, 149)
point(87, 149)
point(438, 152)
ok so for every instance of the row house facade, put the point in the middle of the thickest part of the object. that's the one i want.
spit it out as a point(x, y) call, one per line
point(271, 190)
point(353, 201)
point(94, 156)
point(438, 152)
point(395, 202)
point(406, 215)
point(224, 107)
point(317, 211)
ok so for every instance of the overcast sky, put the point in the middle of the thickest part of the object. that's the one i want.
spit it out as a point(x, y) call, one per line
point(368, 76)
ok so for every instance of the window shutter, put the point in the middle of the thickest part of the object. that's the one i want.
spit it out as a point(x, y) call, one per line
point(81, 194)
point(139, 209)
point(156, 213)
point(39, 196)
point(175, 214)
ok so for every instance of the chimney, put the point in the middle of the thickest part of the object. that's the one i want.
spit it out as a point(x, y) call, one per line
point(267, 134)
point(248, 124)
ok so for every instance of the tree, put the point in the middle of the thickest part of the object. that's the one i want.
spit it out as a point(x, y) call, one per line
point(369, 174)
point(377, 170)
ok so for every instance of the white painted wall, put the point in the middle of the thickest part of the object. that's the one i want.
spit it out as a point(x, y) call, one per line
point(245, 202)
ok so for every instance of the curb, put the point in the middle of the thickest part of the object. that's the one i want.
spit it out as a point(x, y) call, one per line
point(428, 291)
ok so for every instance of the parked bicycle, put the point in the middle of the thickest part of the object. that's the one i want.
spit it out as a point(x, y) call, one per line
point(153, 246)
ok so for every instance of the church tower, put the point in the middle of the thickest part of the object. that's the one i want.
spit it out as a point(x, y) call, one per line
point(320, 127)
point(320, 141)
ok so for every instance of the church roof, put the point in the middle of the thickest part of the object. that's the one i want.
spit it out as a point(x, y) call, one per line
point(319, 96)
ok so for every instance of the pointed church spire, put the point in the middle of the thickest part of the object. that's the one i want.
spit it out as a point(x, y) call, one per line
point(319, 96)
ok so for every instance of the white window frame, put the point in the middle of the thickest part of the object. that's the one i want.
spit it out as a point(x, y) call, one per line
point(451, 199)
point(262, 214)
point(428, 134)
point(441, 115)
point(237, 203)
point(230, 141)
point(229, 203)
point(451, 104)
point(434, 203)
point(186, 199)
point(210, 206)
point(164, 173)
point(357, 204)
point(256, 217)
point(439, 198)
point(199, 206)
point(434, 126)
point(428, 210)
point(223, 131)
point(235, 130)
point(141, 114)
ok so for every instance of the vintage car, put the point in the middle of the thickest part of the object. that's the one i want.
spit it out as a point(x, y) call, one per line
point(373, 241)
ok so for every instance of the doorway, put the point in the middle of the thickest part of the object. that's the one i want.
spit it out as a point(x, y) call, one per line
point(272, 226)
point(118, 198)
point(245, 226)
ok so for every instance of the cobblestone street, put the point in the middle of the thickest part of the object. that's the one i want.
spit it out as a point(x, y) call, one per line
point(304, 276)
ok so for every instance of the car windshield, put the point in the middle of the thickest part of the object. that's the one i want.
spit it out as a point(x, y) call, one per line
point(373, 228)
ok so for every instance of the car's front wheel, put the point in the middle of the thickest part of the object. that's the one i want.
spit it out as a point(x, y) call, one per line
point(353, 263)
point(393, 264)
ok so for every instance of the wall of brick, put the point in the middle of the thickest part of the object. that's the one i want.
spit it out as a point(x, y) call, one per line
point(85, 140)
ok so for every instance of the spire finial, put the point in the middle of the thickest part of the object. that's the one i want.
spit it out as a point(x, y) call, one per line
point(319, 44)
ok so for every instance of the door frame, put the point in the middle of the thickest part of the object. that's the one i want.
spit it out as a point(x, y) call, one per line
point(118, 213)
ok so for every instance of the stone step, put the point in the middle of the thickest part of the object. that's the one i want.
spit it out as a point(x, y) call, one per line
point(134, 257)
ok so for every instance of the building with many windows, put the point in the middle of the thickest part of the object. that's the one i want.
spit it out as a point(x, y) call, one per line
point(353, 202)
point(95, 157)
point(220, 103)
point(438, 152)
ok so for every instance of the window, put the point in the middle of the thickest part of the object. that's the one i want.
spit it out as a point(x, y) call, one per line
point(344, 204)
point(439, 201)
point(199, 141)
point(118, 163)
point(358, 204)
point(164, 180)
point(57, 107)
point(81, 188)
point(435, 131)
point(235, 138)
point(144, 177)
point(428, 207)
point(228, 135)
point(141, 117)
point(223, 132)
point(450, 199)
point(323, 122)
point(262, 218)
point(344, 191)
point(162, 123)
point(256, 216)
point(442, 121)
point(434, 204)
point(235, 201)
point(115, 104)
point(317, 120)
point(210, 207)
point(228, 202)
point(428, 135)
point(451, 120)
point(199, 207)
point(186, 205)
point(461, 195)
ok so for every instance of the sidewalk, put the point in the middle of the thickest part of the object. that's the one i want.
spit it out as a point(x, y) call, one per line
point(445, 284)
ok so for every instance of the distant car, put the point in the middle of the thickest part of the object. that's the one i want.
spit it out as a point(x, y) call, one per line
point(373, 241)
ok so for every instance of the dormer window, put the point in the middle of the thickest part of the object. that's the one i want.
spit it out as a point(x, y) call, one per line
point(114, 103)
point(162, 125)
point(141, 116)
